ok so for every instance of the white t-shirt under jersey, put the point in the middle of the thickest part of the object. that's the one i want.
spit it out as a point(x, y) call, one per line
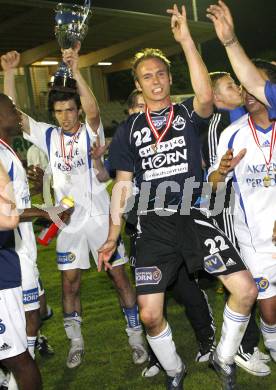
point(77, 179)
point(255, 204)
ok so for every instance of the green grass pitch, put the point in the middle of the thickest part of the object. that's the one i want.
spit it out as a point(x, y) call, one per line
point(107, 363)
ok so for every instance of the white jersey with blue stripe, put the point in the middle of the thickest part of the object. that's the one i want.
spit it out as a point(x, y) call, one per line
point(24, 235)
point(73, 175)
point(255, 205)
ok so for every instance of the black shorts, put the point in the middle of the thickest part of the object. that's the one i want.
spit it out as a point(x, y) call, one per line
point(165, 242)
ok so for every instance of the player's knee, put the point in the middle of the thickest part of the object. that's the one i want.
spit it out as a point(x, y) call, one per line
point(268, 311)
point(150, 318)
point(248, 293)
point(269, 317)
point(71, 285)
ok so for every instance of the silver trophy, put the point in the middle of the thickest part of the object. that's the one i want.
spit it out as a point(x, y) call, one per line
point(71, 29)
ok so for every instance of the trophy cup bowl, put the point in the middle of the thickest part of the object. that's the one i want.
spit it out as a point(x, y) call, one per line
point(70, 30)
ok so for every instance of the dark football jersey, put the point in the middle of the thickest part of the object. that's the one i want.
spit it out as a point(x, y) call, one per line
point(10, 272)
point(164, 173)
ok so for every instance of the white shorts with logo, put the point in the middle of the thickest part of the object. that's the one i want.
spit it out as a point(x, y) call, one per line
point(13, 338)
point(263, 268)
point(25, 247)
point(73, 247)
point(30, 283)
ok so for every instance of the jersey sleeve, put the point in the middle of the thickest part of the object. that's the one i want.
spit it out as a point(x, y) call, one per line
point(99, 133)
point(270, 94)
point(38, 134)
point(201, 124)
point(121, 157)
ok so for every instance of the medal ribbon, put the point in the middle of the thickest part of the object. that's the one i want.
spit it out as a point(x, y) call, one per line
point(9, 148)
point(66, 158)
point(153, 128)
point(256, 139)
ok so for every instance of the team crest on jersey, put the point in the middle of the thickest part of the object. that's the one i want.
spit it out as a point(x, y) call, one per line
point(179, 123)
point(159, 121)
point(262, 284)
point(147, 275)
point(214, 264)
point(2, 327)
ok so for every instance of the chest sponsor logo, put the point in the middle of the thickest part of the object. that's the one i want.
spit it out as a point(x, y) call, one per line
point(214, 264)
point(147, 276)
point(262, 284)
point(166, 146)
point(179, 123)
point(2, 327)
point(255, 174)
point(260, 168)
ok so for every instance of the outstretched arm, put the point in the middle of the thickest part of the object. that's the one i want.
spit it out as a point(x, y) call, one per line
point(203, 101)
point(88, 100)
point(245, 70)
point(9, 62)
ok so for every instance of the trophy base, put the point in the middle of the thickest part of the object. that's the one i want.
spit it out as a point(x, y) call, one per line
point(64, 84)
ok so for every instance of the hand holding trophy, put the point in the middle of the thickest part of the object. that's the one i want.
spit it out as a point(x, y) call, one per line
point(70, 30)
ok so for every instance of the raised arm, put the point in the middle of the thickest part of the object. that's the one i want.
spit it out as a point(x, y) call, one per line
point(88, 100)
point(245, 70)
point(97, 153)
point(203, 101)
point(9, 62)
point(121, 192)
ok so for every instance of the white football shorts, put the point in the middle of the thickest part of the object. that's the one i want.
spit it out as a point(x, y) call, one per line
point(13, 338)
point(263, 268)
point(30, 284)
point(73, 248)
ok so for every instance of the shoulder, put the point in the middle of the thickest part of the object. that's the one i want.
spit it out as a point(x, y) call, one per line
point(235, 128)
point(129, 126)
point(186, 107)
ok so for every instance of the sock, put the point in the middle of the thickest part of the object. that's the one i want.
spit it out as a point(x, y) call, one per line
point(233, 329)
point(72, 325)
point(269, 335)
point(134, 329)
point(164, 348)
point(132, 317)
point(12, 383)
point(31, 345)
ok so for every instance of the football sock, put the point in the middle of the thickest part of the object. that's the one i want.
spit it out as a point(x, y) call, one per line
point(164, 348)
point(132, 317)
point(233, 329)
point(72, 326)
point(31, 345)
point(269, 335)
point(12, 383)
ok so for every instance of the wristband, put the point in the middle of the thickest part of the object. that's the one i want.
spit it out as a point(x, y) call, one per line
point(230, 42)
